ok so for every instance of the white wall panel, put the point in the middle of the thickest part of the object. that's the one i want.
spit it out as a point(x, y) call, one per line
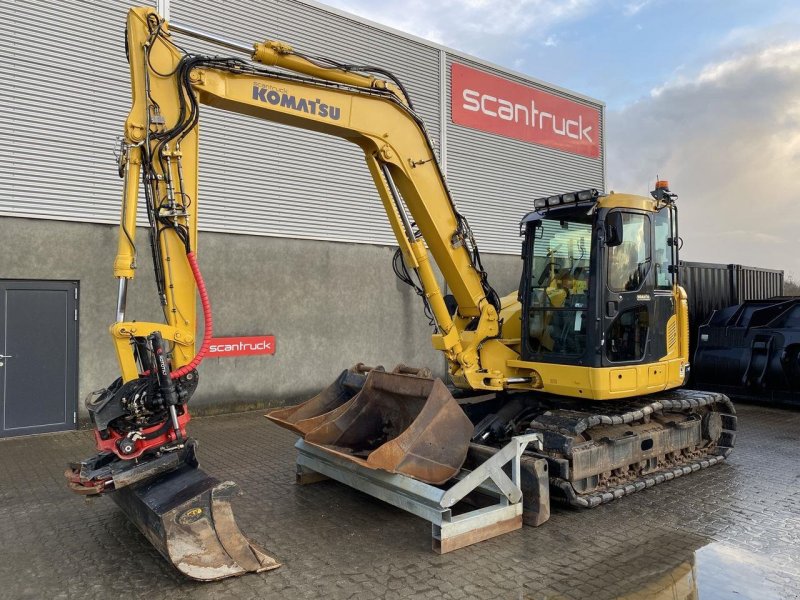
point(64, 95)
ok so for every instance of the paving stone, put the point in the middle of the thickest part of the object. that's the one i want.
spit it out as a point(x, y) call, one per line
point(701, 530)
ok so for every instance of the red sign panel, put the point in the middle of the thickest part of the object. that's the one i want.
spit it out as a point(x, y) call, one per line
point(490, 103)
point(241, 346)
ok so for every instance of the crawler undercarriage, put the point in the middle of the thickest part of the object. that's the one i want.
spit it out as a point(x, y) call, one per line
point(598, 452)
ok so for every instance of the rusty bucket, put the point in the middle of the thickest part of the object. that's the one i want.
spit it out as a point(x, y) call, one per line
point(187, 516)
point(401, 423)
point(309, 415)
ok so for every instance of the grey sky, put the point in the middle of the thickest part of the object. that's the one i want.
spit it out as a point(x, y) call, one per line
point(728, 138)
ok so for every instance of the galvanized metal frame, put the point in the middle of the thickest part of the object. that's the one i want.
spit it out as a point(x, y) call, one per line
point(433, 503)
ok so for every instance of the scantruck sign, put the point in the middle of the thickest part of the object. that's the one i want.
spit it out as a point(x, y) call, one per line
point(241, 346)
point(489, 103)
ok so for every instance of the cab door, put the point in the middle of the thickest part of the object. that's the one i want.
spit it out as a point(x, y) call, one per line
point(629, 308)
point(665, 271)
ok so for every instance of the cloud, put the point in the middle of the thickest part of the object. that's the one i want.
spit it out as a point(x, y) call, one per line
point(475, 26)
point(776, 58)
point(632, 8)
point(728, 139)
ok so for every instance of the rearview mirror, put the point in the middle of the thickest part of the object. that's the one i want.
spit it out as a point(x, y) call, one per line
point(614, 228)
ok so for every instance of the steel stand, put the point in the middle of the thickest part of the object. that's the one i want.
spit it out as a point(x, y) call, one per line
point(433, 503)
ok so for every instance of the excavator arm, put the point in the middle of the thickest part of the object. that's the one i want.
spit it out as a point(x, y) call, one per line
point(161, 149)
point(145, 456)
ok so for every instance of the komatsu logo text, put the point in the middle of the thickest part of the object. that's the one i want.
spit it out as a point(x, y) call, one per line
point(277, 97)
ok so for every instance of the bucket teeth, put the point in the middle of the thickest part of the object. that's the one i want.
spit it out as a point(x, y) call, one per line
point(401, 422)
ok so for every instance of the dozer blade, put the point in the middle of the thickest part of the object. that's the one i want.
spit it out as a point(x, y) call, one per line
point(309, 415)
point(187, 516)
point(400, 423)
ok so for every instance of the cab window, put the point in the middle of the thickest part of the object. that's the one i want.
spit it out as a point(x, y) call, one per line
point(629, 262)
point(662, 251)
point(627, 337)
point(558, 285)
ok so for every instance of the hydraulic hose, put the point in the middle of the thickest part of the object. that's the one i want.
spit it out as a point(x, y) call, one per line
point(209, 322)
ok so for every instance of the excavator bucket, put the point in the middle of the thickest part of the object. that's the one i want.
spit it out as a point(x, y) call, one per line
point(401, 423)
point(309, 415)
point(187, 516)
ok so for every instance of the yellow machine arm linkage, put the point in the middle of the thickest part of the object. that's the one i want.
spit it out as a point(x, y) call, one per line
point(376, 115)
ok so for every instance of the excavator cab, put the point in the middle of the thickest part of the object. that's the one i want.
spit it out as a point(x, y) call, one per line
point(599, 285)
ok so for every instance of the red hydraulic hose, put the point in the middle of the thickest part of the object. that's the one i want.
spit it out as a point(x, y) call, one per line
point(209, 322)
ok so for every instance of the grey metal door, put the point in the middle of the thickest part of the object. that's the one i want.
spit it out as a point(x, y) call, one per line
point(38, 356)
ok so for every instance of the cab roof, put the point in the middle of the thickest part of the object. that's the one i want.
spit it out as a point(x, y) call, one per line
point(610, 200)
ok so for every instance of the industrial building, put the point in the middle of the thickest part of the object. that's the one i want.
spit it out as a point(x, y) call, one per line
point(292, 229)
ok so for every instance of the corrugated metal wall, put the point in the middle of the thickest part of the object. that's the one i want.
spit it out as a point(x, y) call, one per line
point(712, 286)
point(753, 283)
point(65, 95)
point(281, 180)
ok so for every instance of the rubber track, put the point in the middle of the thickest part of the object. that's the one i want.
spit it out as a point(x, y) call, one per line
point(668, 401)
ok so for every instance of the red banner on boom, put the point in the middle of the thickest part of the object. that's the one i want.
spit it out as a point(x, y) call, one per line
point(241, 346)
point(496, 105)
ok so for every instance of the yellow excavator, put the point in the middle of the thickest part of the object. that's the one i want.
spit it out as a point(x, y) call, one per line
point(589, 353)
